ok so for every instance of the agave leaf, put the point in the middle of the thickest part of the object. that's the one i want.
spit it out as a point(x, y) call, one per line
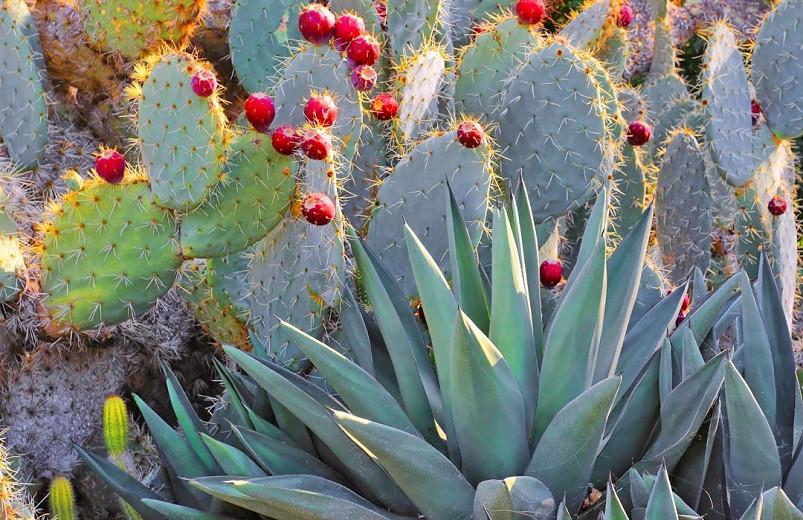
point(759, 371)
point(639, 490)
point(488, 409)
point(703, 317)
point(530, 254)
point(683, 412)
point(691, 471)
point(624, 268)
point(699, 285)
point(565, 454)
point(290, 425)
point(367, 476)
point(751, 458)
point(268, 428)
point(777, 506)
point(692, 359)
point(511, 329)
point(279, 458)
point(406, 346)
point(563, 512)
point(129, 488)
point(236, 401)
point(179, 512)
point(595, 232)
point(754, 511)
point(661, 505)
point(354, 331)
point(613, 506)
point(467, 283)
point(514, 498)
point(571, 341)
point(433, 483)
point(357, 388)
point(666, 375)
point(232, 460)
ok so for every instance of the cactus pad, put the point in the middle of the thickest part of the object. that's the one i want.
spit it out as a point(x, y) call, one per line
point(411, 24)
point(182, 135)
point(585, 30)
point(23, 109)
point(415, 193)
point(630, 180)
point(726, 94)
point(12, 263)
point(245, 205)
point(108, 252)
point(553, 130)
point(419, 80)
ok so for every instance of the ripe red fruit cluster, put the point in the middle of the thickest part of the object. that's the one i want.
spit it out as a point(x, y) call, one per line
point(364, 50)
point(318, 209)
point(777, 205)
point(625, 17)
point(316, 23)
point(363, 78)
point(316, 144)
point(321, 110)
point(550, 272)
point(260, 111)
point(285, 140)
point(638, 133)
point(110, 165)
point(347, 27)
point(204, 83)
point(384, 106)
point(530, 12)
point(470, 134)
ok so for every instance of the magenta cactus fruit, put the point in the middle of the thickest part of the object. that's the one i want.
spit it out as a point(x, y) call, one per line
point(777, 205)
point(638, 133)
point(363, 78)
point(321, 109)
point(364, 50)
point(316, 23)
point(470, 134)
point(625, 16)
point(316, 144)
point(347, 27)
point(530, 12)
point(550, 272)
point(285, 140)
point(260, 111)
point(110, 165)
point(204, 83)
point(384, 106)
point(318, 209)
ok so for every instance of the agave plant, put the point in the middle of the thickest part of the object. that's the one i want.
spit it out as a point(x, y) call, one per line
point(508, 404)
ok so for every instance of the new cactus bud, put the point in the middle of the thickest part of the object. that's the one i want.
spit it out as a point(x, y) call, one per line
point(316, 24)
point(625, 16)
point(638, 133)
point(363, 78)
point(62, 499)
point(321, 110)
point(260, 111)
point(204, 83)
point(316, 144)
point(470, 134)
point(318, 209)
point(550, 272)
point(777, 205)
point(347, 27)
point(285, 140)
point(115, 426)
point(384, 106)
point(110, 165)
point(364, 50)
point(530, 12)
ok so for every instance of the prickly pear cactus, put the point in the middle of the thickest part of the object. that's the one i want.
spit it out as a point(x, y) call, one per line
point(683, 208)
point(107, 253)
point(411, 24)
point(12, 263)
point(567, 140)
point(630, 190)
point(23, 106)
point(585, 29)
point(182, 135)
point(419, 79)
point(249, 201)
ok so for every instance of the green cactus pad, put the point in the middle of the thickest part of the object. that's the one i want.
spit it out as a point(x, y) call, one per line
point(297, 271)
point(229, 275)
point(752, 230)
point(585, 30)
point(108, 252)
point(419, 80)
point(553, 130)
point(411, 24)
point(630, 180)
point(777, 73)
point(614, 53)
point(216, 314)
point(415, 193)
point(315, 69)
point(23, 108)
point(182, 135)
point(259, 38)
point(683, 208)
point(631, 103)
point(664, 56)
point(485, 64)
point(245, 205)
point(134, 27)
point(359, 188)
point(726, 94)
point(12, 263)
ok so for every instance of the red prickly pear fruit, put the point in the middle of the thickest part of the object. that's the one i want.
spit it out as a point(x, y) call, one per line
point(470, 134)
point(316, 24)
point(530, 12)
point(550, 272)
point(638, 133)
point(384, 106)
point(681, 317)
point(260, 111)
point(364, 50)
point(625, 17)
point(321, 109)
point(285, 140)
point(363, 78)
point(480, 28)
point(755, 109)
point(318, 209)
point(685, 305)
point(110, 165)
point(204, 83)
point(777, 205)
point(347, 27)
point(316, 144)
